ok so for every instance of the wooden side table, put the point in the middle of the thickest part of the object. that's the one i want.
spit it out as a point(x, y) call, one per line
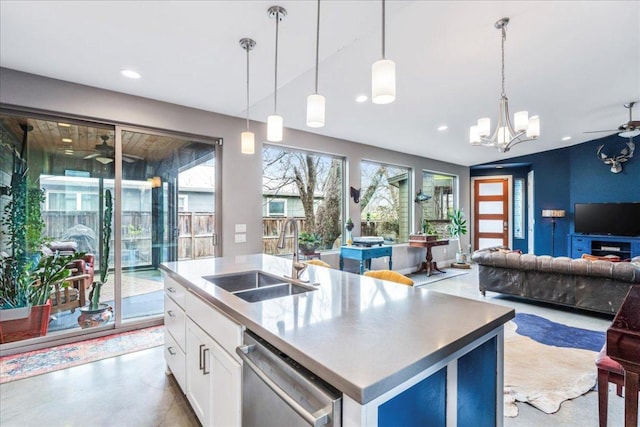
point(421, 241)
point(364, 255)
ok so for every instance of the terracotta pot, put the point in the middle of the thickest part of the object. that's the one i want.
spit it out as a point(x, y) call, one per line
point(35, 325)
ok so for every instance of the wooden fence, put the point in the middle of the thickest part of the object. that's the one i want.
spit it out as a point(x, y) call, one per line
point(195, 235)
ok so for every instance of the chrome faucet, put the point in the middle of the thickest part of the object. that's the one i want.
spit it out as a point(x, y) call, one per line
point(297, 267)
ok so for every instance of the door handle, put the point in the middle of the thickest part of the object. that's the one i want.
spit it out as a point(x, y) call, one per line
point(204, 362)
point(201, 358)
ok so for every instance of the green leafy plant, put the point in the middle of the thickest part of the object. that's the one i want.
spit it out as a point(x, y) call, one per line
point(34, 283)
point(94, 295)
point(427, 227)
point(308, 242)
point(458, 226)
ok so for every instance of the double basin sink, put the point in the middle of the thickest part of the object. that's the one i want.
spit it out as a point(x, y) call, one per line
point(255, 286)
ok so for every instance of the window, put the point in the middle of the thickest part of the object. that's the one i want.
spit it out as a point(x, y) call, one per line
point(441, 199)
point(183, 203)
point(277, 207)
point(307, 186)
point(384, 201)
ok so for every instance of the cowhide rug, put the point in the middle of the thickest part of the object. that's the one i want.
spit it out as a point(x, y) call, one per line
point(546, 375)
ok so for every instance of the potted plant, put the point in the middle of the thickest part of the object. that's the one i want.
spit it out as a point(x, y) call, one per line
point(25, 303)
point(97, 313)
point(457, 228)
point(308, 243)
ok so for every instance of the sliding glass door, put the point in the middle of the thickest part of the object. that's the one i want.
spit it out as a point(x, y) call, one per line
point(57, 173)
point(168, 195)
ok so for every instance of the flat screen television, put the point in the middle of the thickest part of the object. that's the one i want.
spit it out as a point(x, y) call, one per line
point(616, 219)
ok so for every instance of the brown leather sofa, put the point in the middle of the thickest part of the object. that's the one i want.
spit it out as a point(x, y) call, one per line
point(590, 285)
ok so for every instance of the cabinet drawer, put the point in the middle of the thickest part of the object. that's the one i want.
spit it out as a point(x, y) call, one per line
point(176, 291)
point(216, 324)
point(174, 321)
point(176, 360)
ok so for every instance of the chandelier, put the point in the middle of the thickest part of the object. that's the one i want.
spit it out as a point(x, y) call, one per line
point(506, 135)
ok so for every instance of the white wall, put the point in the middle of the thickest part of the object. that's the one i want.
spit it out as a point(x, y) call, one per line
point(241, 174)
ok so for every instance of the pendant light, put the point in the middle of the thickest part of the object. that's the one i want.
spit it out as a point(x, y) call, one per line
point(274, 121)
point(383, 74)
point(315, 101)
point(247, 138)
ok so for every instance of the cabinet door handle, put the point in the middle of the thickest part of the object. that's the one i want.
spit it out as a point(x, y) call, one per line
point(170, 313)
point(201, 359)
point(204, 367)
point(171, 351)
point(171, 290)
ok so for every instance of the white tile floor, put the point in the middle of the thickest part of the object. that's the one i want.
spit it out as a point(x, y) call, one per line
point(133, 390)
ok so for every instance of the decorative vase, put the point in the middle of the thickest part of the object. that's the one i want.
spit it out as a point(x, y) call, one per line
point(90, 318)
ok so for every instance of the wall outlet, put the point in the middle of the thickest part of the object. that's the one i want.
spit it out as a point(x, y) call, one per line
point(241, 238)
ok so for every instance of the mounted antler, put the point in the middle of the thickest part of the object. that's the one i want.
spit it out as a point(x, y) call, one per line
point(616, 162)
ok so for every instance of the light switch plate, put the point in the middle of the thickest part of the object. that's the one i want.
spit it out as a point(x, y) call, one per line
point(241, 238)
point(241, 228)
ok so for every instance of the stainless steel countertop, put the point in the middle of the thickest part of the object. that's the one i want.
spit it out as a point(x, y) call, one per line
point(364, 336)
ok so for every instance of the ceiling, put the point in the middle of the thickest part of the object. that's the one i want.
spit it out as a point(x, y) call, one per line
point(573, 63)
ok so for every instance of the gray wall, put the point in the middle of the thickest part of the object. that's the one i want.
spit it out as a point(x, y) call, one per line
point(241, 174)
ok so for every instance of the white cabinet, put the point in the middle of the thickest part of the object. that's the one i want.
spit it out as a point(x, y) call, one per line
point(200, 343)
point(175, 329)
point(213, 380)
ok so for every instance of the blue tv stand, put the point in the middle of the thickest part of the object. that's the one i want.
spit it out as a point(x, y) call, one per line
point(600, 245)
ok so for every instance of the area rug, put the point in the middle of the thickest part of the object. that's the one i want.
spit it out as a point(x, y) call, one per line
point(420, 279)
point(24, 365)
point(546, 363)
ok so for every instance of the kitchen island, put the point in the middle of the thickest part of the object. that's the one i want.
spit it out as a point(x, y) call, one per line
point(399, 355)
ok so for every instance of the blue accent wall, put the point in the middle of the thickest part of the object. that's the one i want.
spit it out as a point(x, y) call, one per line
point(567, 176)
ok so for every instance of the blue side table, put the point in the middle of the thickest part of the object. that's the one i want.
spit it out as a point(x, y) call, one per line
point(364, 254)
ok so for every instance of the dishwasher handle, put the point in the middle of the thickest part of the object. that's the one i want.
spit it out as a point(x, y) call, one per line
point(317, 419)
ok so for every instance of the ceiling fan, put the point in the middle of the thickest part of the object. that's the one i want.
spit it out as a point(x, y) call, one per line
point(625, 130)
point(105, 153)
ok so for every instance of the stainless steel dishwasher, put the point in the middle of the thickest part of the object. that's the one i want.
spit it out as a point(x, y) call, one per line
point(277, 391)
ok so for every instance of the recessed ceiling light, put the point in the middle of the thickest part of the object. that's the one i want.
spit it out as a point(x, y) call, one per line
point(67, 140)
point(64, 125)
point(362, 98)
point(130, 73)
point(68, 152)
point(443, 127)
point(566, 138)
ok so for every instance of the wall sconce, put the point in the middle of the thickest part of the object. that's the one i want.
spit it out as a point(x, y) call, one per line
point(553, 214)
point(155, 182)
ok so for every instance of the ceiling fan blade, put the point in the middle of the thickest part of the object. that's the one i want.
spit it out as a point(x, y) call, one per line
point(128, 159)
point(598, 131)
point(91, 156)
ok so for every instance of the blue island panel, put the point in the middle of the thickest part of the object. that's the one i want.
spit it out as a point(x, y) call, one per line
point(422, 405)
point(477, 386)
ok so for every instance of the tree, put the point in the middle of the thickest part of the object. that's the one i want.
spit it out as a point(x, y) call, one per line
point(309, 174)
point(328, 223)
